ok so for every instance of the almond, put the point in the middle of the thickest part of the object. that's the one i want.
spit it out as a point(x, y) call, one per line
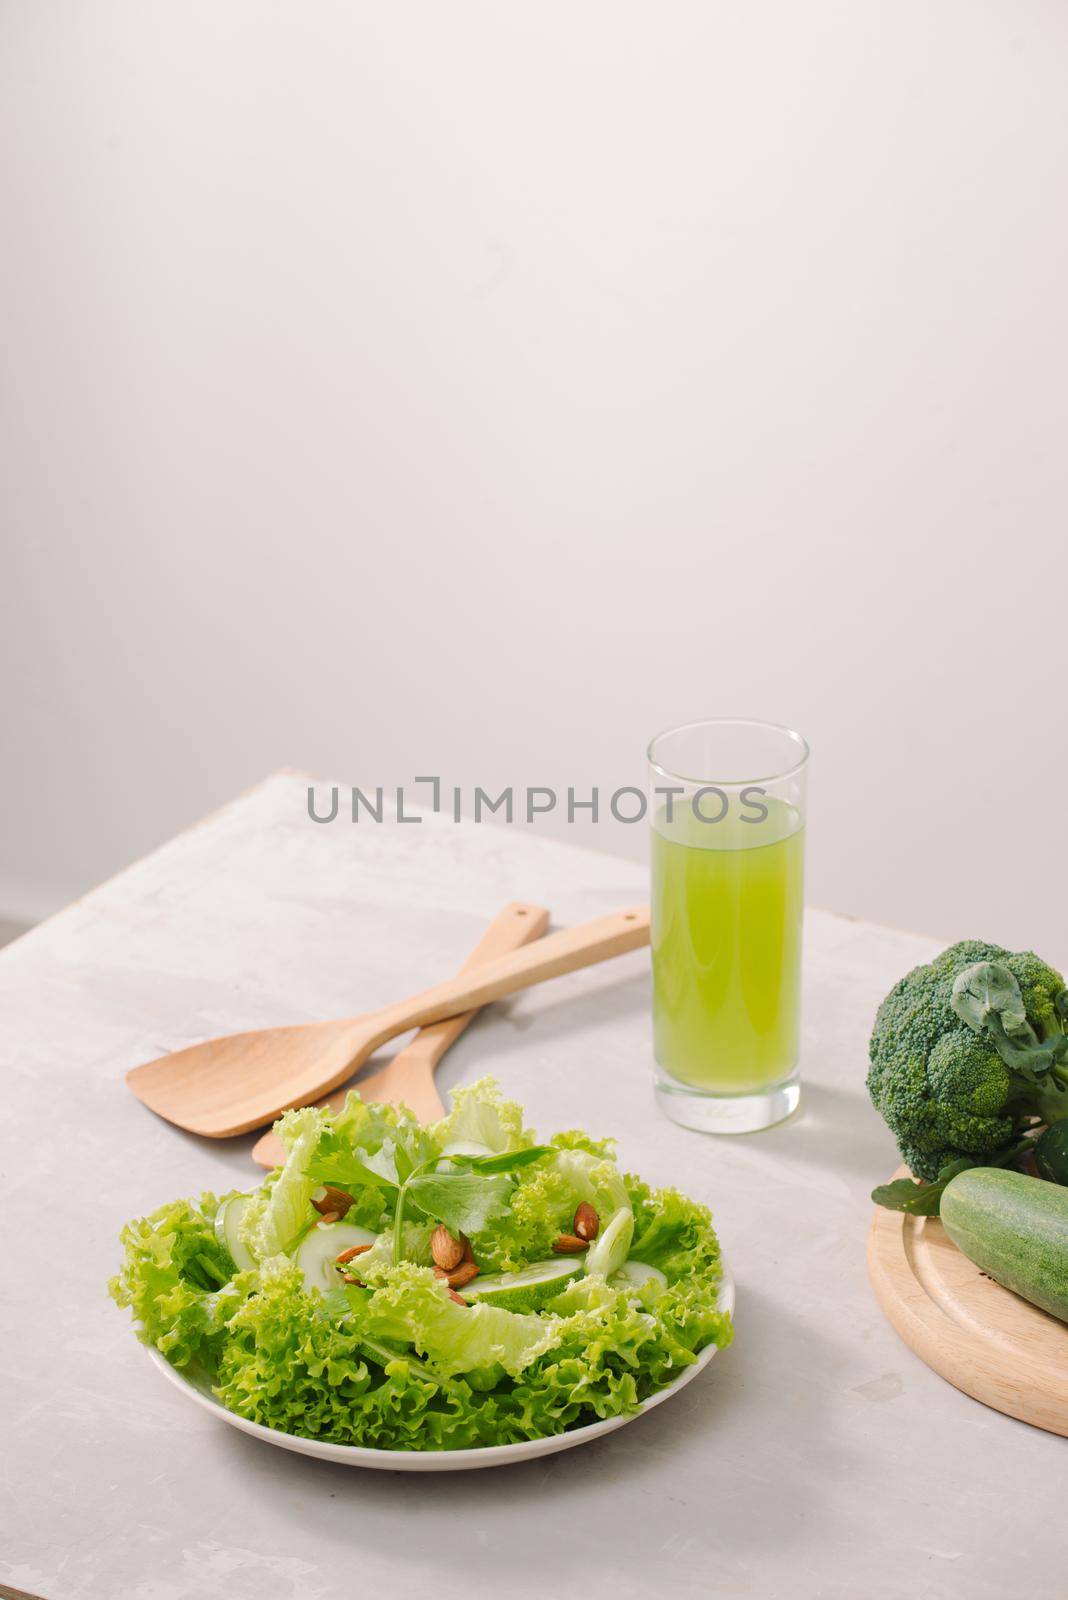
point(587, 1222)
point(461, 1274)
point(569, 1244)
point(326, 1219)
point(469, 1254)
point(333, 1199)
point(353, 1250)
point(447, 1251)
point(460, 1301)
point(346, 1277)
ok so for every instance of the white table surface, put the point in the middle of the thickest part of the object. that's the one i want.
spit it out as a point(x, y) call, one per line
point(817, 1457)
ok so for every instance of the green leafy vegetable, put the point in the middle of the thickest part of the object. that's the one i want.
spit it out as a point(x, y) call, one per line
point(545, 1198)
point(275, 1219)
point(510, 1161)
point(331, 1163)
point(480, 1116)
point(924, 1199)
point(171, 1276)
point(393, 1361)
point(987, 998)
point(918, 1199)
point(464, 1201)
point(411, 1306)
point(966, 1051)
point(377, 1263)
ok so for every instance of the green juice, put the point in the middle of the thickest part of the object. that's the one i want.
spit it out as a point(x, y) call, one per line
point(727, 903)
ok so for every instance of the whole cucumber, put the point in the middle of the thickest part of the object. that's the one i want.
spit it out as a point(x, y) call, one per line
point(1015, 1229)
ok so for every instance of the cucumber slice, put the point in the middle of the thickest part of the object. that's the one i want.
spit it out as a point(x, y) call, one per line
point(228, 1230)
point(318, 1251)
point(634, 1274)
point(527, 1288)
point(609, 1250)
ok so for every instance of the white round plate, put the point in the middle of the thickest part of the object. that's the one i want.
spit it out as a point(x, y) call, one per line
point(496, 1455)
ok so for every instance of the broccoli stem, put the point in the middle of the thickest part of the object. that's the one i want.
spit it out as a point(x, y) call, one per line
point(1051, 1032)
point(1052, 1103)
point(1032, 1061)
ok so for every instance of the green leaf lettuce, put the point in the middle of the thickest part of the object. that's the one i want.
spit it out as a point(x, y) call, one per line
point(393, 1361)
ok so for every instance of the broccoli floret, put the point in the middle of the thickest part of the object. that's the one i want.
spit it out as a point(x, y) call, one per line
point(1043, 991)
point(966, 1050)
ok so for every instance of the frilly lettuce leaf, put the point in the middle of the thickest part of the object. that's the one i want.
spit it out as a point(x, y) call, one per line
point(368, 1126)
point(398, 1364)
point(676, 1234)
point(177, 1279)
point(672, 1232)
point(334, 1161)
point(544, 1201)
point(576, 1139)
point(358, 1148)
point(293, 1362)
point(279, 1212)
point(479, 1114)
point(413, 1306)
point(376, 1263)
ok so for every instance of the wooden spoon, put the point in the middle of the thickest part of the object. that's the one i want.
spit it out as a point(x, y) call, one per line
point(239, 1082)
point(410, 1075)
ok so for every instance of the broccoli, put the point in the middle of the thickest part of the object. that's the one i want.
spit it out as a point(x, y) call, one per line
point(966, 1051)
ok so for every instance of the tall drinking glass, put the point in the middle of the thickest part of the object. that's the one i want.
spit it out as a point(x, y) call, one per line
point(727, 805)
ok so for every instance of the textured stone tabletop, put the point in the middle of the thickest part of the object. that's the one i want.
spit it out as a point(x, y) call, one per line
point(816, 1458)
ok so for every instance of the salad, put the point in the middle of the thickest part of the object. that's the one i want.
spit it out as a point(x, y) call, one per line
point(429, 1288)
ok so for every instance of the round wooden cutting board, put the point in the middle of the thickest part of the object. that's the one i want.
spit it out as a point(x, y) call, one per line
point(978, 1336)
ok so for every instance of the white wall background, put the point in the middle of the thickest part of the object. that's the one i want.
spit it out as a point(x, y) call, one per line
point(478, 388)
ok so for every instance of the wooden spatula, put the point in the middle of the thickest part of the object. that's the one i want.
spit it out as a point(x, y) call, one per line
point(410, 1075)
point(244, 1080)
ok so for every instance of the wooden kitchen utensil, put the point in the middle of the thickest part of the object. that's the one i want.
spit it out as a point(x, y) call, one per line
point(410, 1075)
point(244, 1080)
point(978, 1336)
